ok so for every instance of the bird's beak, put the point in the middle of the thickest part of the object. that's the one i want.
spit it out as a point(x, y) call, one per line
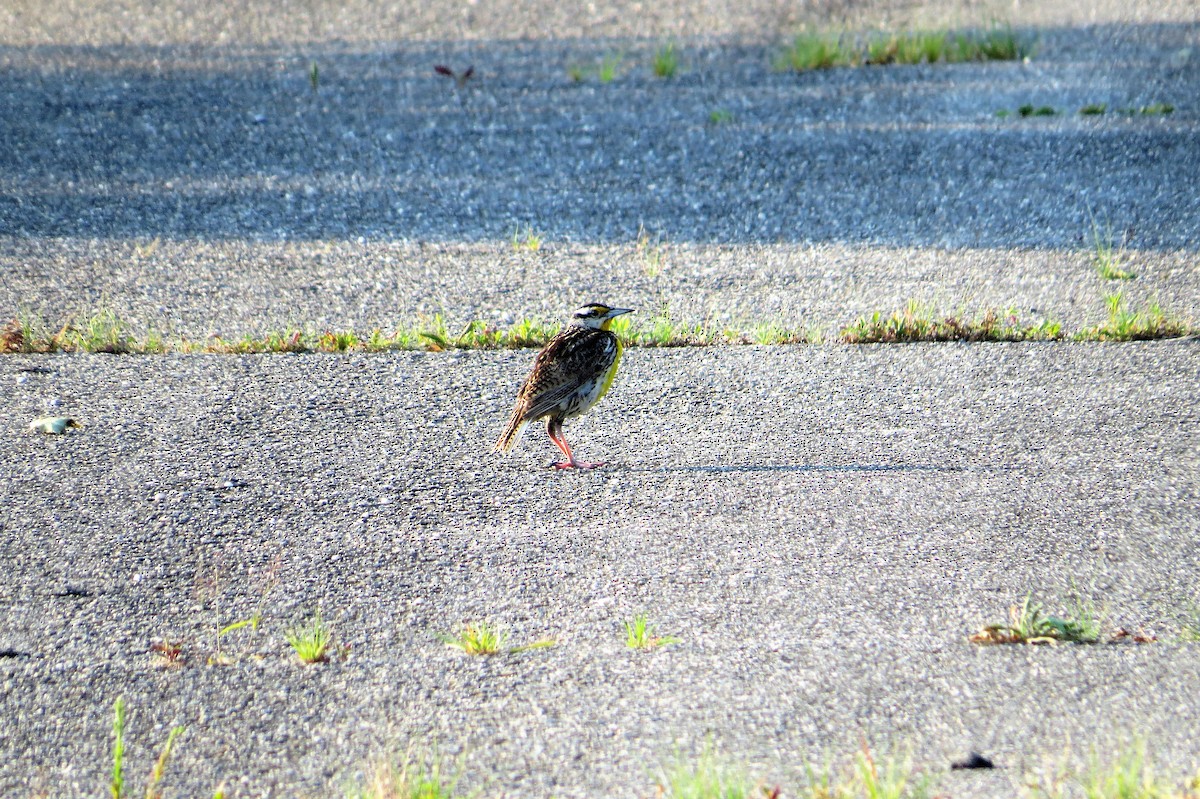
point(615, 312)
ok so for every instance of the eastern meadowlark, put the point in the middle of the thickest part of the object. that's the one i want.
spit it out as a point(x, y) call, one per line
point(570, 375)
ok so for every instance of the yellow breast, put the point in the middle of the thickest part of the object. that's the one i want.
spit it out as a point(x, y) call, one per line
point(612, 372)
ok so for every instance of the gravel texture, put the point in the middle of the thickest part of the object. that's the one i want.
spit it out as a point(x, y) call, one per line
point(205, 187)
point(821, 526)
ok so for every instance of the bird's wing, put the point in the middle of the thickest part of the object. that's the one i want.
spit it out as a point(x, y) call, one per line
point(547, 401)
point(575, 357)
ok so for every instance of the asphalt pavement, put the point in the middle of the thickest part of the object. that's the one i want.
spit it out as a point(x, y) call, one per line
point(821, 526)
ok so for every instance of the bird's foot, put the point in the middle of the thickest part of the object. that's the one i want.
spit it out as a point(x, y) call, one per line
point(574, 464)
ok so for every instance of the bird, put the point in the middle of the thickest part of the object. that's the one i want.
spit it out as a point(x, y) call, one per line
point(571, 374)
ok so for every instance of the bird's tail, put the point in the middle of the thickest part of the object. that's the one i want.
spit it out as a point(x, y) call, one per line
point(512, 433)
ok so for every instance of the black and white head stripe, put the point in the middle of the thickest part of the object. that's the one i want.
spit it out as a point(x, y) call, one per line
point(591, 311)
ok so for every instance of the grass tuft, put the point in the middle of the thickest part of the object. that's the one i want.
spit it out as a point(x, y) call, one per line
point(609, 68)
point(160, 765)
point(1030, 110)
point(640, 634)
point(1190, 629)
point(651, 251)
point(1028, 623)
point(709, 778)
point(1154, 109)
point(101, 331)
point(998, 43)
point(1126, 773)
point(1133, 325)
point(530, 240)
point(889, 778)
point(484, 638)
point(810, 50)
point(414, 777)
point(606, 71)
point(478, 638)
point(666, 61)
point(868, 777)
point(771, 333)
point(116, 784)
point(331, 341)
point(311, 642)
point(914, 47)
point(104, 332)
point(1108, 257)
point(917, 323)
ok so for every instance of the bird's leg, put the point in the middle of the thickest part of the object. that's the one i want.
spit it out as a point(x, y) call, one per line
point(554, 429)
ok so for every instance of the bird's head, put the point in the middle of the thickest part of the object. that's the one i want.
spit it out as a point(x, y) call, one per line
point(597, 315)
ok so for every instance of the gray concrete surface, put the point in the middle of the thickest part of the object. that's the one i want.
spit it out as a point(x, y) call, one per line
point(821, 526)
point(204, 187)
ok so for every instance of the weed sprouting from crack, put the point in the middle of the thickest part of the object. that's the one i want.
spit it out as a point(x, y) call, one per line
point(340, 341)
point(116, 784)
point(104, 332)
point(1125, 324)
point(917, 323)
point(826, 50)
point(477, 638)
point(529, 241)
point(606, 71)
point(998, 43)
point(168, 652)
point(485, 638)
point(1189, 630)
point(651, 251)
point(311, 641)
point(666, 61)
point(210, 591)
point(891, 776)
point(773, 333)
point(709, 776)
point(1030, 110)
point(1108, 258)
point(640, 634)
point(914, 47)
point(720, 116)
point(416, 775)
point(609, 68)
point(1154, 109)
point(142, 251)
point(1028, 623)
point(101, 332)
point(810, 50)
point(1126, 772)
